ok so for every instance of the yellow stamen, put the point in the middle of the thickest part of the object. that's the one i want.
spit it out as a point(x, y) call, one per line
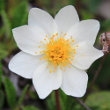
point(58, 51)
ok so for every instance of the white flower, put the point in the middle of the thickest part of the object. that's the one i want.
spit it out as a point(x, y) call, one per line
point(56, 52)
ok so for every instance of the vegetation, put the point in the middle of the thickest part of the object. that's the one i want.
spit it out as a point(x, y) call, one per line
point(17, 93)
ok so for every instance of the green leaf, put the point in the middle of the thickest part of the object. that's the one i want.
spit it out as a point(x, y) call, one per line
point(20, 14)
point(63, 99)
point(3, 50)
point(0, 74)
point(22, 95)
point(100, 100)
point(50, 101)
point(10, 93)
point(2, 30)
point(30, 108)
point(66, 102)
point(1, 99)
point(32, 95)
point(6, 23)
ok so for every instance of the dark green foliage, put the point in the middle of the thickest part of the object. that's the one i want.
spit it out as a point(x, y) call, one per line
point(10, 92)
point(2, 30)
point(29, 108)
point(1, 99)
point(106, 25)
point(20, 14)
point(93, 5)
point(32, 95)
point(53, 6)
point(66, 102)
point(2, 5)
point(14, 13)
point(104, 77)
point(99, 100)
point(0, 74)
point(22, 95)
point(51, 102)
point(6, 23)
point(3, 50)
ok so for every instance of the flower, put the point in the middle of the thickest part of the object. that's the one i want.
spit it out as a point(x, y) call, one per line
point(55, 53)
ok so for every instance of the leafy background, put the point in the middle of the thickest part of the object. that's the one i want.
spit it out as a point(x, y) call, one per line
point(17, 93)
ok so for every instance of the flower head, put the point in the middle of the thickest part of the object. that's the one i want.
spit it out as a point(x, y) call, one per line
point(56, 52)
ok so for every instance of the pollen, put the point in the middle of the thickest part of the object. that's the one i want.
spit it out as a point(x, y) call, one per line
point(58, 52)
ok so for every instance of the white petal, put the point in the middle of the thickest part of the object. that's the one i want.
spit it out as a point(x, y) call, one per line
point(85, 30)
point(24, 64)
point(74, 82)
point(44, 82)
point(66, 18)
point(85, 55)
point(41, 18)
point(28, 38)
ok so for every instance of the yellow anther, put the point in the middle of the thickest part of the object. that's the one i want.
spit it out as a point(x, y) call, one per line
point(77, 46)
point(50, 71)
point(57, 34)
point(67, 40)
point(53, 70)
point(53, 36)
point(58, 52)
point(39, 46)
point(65, 34)
point(72, 40)
point(36, 52)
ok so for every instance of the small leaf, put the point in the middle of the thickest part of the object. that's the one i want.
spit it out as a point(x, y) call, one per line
point(10, 92)
point(22, 95)
point(1, 99)
point(30, 108)
point(99, 100)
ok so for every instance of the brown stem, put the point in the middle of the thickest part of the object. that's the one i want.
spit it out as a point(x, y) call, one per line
point(57, 100)
point(95, 76)
point(82, 104)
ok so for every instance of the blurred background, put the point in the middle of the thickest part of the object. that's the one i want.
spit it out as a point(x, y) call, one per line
point(17, 93)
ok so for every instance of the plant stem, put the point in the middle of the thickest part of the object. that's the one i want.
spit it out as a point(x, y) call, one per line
point(82, 104)
point(57, 100)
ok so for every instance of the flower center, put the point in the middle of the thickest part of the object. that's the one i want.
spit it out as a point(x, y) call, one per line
point(58, 51)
